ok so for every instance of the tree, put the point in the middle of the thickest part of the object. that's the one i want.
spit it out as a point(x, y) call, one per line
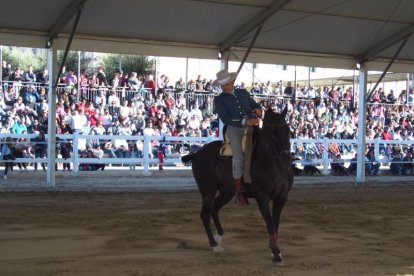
point(23, 57)
point(128, 63)
point(86, 60)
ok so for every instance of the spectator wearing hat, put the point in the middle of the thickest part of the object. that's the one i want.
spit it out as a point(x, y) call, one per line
point(236, 109)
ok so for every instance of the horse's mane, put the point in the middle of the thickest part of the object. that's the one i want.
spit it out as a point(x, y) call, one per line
point(275, 133)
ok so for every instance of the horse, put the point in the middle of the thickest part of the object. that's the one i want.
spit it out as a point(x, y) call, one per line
point(271, 173)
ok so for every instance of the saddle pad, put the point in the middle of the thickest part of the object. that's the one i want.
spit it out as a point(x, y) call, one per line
point(225, 149)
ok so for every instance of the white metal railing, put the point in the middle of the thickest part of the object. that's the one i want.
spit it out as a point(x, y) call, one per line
point(382, 150)
point(323, 157)
point(147, 150)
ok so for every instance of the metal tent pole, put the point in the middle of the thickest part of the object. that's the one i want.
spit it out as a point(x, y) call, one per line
point(360, 176)
point(51, 135)
point(51, 126)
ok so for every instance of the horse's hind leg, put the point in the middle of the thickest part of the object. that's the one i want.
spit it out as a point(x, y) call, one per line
point(222, 199)
point(205, 215)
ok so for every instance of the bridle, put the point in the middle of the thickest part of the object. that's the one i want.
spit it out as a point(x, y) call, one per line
point(276, 154)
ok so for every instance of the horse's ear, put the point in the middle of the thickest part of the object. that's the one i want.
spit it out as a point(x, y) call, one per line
point(284, 112)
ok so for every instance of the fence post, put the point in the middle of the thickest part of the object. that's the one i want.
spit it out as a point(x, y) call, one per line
point(146, 156)
point(377, 147)
point(325, 155)
point(75, 154)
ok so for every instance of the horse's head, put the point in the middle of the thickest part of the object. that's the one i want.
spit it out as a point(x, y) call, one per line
point(276, 130)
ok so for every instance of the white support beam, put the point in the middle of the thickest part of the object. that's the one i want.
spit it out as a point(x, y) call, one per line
point(360, 176)
point(51, 124)
point(252, 24)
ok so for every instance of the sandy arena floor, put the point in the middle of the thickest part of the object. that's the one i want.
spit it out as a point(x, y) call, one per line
point(326, 230)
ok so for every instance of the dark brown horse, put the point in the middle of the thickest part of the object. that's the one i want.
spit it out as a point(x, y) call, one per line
point(271, 172)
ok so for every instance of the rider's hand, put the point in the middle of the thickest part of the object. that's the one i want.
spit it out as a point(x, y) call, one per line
point(258, 112)
point(252, 122)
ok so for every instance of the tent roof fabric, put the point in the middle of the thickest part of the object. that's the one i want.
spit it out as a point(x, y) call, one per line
point(326, 33)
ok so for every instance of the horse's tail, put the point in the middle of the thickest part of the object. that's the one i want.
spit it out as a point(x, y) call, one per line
point(187, 158)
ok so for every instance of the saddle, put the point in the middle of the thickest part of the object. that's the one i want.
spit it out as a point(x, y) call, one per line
point(247, 146)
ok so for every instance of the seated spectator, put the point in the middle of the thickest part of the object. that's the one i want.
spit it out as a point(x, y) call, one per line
point(372, 167)
point(294, 166)
point(396, 167)
point(22, 149)
point(10, 97)
point(309, 166)
point(337, 166)
point(31, 93)
point(19, 126)
point(353, 165)
point(90, 166)
point(333, 148)
point(99, 100)
point(114, 110)
point(19, 105)
point(408, 167)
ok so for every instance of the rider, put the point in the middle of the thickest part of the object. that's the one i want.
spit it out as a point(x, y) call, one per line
point(236, 109)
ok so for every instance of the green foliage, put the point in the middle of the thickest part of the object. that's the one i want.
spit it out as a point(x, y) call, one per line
point(129, 63)
point(71, 62)
point(23, 57)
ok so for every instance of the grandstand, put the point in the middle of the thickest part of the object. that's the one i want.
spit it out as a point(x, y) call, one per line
point(367, 45)
point(111, 116)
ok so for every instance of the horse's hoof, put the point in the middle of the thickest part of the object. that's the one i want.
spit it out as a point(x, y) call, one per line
point(218, 238)
point(218, 249)
point(277, 259)
point(278, 263)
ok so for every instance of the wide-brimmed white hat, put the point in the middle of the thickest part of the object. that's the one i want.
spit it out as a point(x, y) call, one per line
point(224, 77)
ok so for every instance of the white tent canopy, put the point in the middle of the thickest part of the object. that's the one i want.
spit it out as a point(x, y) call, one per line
point(320, 33)
point(323, 33)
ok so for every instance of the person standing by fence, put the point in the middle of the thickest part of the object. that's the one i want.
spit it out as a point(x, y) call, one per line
point(6, 153)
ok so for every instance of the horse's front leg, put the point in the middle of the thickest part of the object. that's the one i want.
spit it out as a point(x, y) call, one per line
point(278, 205)
point(263, 204)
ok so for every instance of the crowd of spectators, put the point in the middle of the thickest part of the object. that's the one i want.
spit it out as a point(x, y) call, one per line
point(163, 109)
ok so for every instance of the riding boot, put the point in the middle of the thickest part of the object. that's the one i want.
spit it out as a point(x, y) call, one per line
point(241, 197)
